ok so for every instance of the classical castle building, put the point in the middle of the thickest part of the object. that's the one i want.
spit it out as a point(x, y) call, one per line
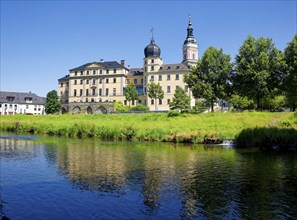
point(93, 87)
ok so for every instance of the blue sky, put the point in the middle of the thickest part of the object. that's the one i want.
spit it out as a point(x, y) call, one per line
point(42, 40)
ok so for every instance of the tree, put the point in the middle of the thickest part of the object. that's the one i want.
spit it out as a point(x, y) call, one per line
point(180, 100)
point(260, 70)
point(155, 92)
point(210, 78)
point(291, 77)
point(131, 93)
point(52, 103)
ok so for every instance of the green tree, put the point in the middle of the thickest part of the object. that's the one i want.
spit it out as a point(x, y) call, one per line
point(291, 77)
point(241, 102)
point(131, 93)
point(52, 103)
point(180, 101)
point(210, 78)
point(260, 70)
point(155, 92)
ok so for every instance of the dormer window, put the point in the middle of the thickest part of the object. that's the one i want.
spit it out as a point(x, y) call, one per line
point(177, 67)
point(81, 73)
point(168, 68)
point(153, 61)
point(107, 71)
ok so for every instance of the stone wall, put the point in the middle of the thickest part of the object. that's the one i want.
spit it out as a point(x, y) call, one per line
point(87, 108)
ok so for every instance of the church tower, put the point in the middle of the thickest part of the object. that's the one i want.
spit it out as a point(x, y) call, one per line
point(190, 47)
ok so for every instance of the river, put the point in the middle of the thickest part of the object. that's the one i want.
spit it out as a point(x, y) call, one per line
point(60, 178)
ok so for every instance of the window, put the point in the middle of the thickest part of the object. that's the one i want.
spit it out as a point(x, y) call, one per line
point(94, 72)
point(94, 81)
point(80, 92)
point(87, 81)
point(61, 93)
point(107, 80)
point(87, 72)
point(160, 77)
point(152, 68)
point(186, 88)
point(145, 69)
point(139, 101)
point(106, 93)
point(74, 92)
point(100, 81)
point(125, 102)
point(177, 77)
point(133, 102)
point(107, 71)
point(168, 101)
point(114, 91)
point(145, 62)
point(168, 77)
point(168, 89)
point(100, 92)
point(193, 56)
point(27, 106)
point(67, 84)
point(87, 99)
point(153, 61)
point(176, 87)
point(93, 92)
point(185, 56)
point(61, 84)
point(160, 101)
point(81, 81)
point(114, 71)
point(75, 73)
point(100, 71)
point(87, 92)
point(141, 80)
point(114, 80)
point(135, 81)
point(75, 82)
point(152, 78)
point(81, 73)
point(152, 101)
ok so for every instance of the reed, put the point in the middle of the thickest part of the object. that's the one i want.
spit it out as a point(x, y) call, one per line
point(192, 128)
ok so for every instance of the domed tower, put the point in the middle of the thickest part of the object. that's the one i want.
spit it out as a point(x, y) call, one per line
point(152, 63)
point(152, 60)
point(190, 47)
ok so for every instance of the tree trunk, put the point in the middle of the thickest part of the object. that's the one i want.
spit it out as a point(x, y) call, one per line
point(155, 104)
point(294, 107)
point(258, 102)
point(211, 104)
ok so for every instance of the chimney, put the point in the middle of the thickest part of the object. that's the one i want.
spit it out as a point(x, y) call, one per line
point(122, 62)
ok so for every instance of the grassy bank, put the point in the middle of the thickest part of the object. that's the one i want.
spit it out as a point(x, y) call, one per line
point(152, 127)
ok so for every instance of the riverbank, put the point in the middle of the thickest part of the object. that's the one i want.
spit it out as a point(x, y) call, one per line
point(192, 128)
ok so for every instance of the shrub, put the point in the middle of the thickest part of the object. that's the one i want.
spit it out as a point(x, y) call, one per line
point(140, 107)
point(119, 107)
point(173, 113)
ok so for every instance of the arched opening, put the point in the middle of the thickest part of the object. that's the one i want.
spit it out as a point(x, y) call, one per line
point(64, 111)
point(76, 110)
point(89, 110)
point(101, 110)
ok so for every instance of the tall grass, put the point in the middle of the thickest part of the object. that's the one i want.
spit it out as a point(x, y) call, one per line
point(150, 127)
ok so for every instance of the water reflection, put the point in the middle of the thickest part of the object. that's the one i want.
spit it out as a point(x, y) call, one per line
point(164, 180)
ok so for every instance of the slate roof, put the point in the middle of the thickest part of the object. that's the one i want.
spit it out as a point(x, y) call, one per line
point(135, 72)
point(19, 98)
point(174, 67)
point(106, 65)
point(64, 78)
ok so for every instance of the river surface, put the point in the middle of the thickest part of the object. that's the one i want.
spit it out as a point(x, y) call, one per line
point(56, 178)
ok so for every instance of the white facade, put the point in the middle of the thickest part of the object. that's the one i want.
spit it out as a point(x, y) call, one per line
point(12, 103)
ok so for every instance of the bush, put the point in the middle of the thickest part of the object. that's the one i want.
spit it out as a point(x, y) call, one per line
point(173, 113)
point(140, 107)
point(119, 107)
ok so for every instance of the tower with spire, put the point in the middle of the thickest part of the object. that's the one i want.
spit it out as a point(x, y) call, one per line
point(190, 47)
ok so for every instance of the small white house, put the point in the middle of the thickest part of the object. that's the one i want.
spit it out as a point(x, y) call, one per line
point(21, 103)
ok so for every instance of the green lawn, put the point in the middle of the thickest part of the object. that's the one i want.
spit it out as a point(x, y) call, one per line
point(151, 126)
